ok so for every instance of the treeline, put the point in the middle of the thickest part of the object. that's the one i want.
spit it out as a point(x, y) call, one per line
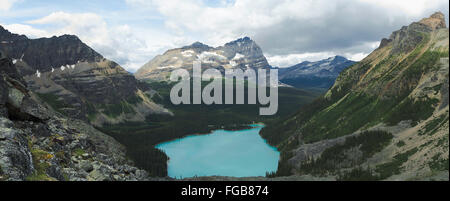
point(151, 159)
point(347, 155)
point(279, 130)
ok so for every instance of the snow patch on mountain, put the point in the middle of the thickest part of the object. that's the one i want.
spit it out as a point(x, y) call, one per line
point(211, 57)
point(238, 56)
point(188, 53)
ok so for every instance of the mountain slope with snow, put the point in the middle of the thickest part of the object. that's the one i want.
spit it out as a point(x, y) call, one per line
point(320, 74)
point(242, 53)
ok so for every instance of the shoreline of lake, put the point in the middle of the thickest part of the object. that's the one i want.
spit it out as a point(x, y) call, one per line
point(247, 154)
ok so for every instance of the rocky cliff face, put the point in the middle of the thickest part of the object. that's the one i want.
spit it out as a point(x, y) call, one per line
point(243, 53)
point(46, 53)
point(77, 81)
point(319, 74)
point(400, 88)
point(37, 143)
point(408, 37)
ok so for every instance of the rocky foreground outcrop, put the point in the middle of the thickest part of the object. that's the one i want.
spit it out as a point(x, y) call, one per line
point(37, 143)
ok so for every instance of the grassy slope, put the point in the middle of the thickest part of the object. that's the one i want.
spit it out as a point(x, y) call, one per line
point(373, 91)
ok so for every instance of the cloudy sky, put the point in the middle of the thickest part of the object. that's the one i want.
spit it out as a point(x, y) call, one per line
point(131, 32)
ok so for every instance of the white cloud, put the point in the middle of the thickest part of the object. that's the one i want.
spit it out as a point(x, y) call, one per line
point(248, 16)
point(292, 59)
point(288, 31)
point(6, 4)
point(354, 53)
point(294, 29)
point(402, 7)
point(27, 30)
point(357, 56)
point(288, 60)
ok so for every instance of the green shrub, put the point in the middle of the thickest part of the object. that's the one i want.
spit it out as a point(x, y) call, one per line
point(41, 165)
point(78, 152)
point(400, 143)
point(432, 126)
point(409, 109)
point(438, 164)
point(386, 170)
point(54, 101)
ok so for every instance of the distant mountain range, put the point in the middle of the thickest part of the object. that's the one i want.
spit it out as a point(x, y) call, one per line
point(320, 74)
point(242, 53)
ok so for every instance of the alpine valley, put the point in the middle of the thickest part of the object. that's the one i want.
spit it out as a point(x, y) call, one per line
point(67, 113)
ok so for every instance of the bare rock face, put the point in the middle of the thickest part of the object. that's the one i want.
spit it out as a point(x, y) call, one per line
point(46, 53)
point(15, 157)
point(77, 81)
point(252, 55)
point(242, 53)
point(36, 143)
point(408, 37)
point(435, 21)
point(384, 42)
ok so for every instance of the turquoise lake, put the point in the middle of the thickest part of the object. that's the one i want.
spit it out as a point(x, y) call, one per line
point(222, 153)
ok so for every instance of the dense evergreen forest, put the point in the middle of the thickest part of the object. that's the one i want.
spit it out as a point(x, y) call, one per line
point(141, 137)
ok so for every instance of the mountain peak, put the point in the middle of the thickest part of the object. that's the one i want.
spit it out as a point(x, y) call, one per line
point(438, 15)
point(336, 58)
point(244, 40)
point(43, 54)
point(68, 37)
point(241, 53)
point(408, 37)
point(197, 45)
point(2, 29)
point(339, 58)
point(6, 35)
point(435, 21)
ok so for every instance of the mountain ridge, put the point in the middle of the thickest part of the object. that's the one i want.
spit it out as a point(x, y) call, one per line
point(401, 88)
point(319, 74)
point(78, 81)
point(45, 53)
